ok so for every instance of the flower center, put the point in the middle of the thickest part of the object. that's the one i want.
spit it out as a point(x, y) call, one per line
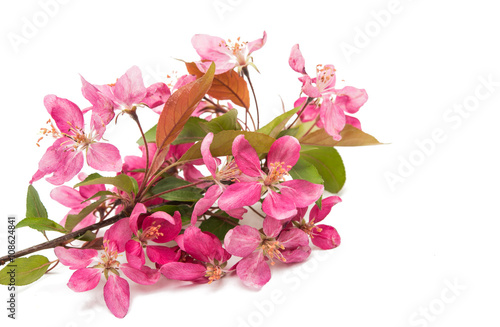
point(229, 172)
point(52, 130)
point(277, 173)
point(151, 232)
point(109, 257)
point(272, 249)
point(309, 228)
point(324, 75)
point(214, 272)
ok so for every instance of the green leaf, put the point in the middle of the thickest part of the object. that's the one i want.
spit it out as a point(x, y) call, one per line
point(73, 220)
point(188, 194)
point(225, 122)
point(24, 270)
point(192, 131)
point(351, 136)
point(305, 170)
point(100, 194)
point(150, 136)
point(276, 126)
point(41, 224)
point(87, 237)
point(122, 181)
point(34, 207)
point(219, 226)
point(329, 165)
point(223, 142)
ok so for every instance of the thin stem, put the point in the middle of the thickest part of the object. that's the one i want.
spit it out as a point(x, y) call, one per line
point(224, 219)
point(309, 99)
point(63, 239)
point(172, 190)
point(57, 262)
point(134, 116)
point(247, 74)
point(312, 126)
point(251, 208)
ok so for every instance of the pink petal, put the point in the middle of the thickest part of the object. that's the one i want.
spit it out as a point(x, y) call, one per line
point(162, 254)
point(201, 246)
point(183, 80)
point(209, 161)
point(296, 60)
point(62, 163)
point(143, 276)
point(297, 254)
point(240, 195)
point(257, 44)
point(120, 233)
point(104, 157)
point(285, 150)
point(246, 157)
point(117, 295)
point(65, 113)
point(134, 217)
point(309, 89)
point(84, 279)
point(237, 213)
point(353, 121)
point(350, 99)
point(183, 271)
point(67, 196)
point(309, 113)
point(272, 227)
point(75, 258)
point(241, 241)
point(292, 238)
point(301, 192)
point(157, 94)
point(333, 118)
point(211, 195)
point(129, 88)
point(328, 238)
point(254, 270)
point(318, 214)
point(278, 206)
point(135, 254)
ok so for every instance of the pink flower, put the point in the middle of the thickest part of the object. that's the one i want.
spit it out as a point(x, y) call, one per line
point(127, 93)
point(64, 159)
point(226, 173)
point(257, 248)
point(283, 197)
point(75, 200)
point(225, 55)
point(322, 87)
point(210, 258)
point(323, 236)
point(158, 227)
point(116, 290)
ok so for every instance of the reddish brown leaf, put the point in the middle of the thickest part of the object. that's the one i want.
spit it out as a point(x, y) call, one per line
point(226, 86)
point(179, 107)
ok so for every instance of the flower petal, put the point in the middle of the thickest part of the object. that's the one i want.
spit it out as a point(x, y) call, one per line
point(104, 157)
point(256, 44)
point(278, 206)
point(144, 276)
point(65, 113)
point(254, 270)
point(211, 195)
point(239, 195)
point(301, 192)
point(129, 89)
point(183, 271)
point(209, 161)
point(318, 214)
point(246, 157)
point(350, 99)
point(162, 254)
point(242, 240)
point(333, 118)
point(296, 60)
point(135, 254)
point(120, 233)
point(84, 279)
point(117, 295)
point(327, 238)
point(285, 150)
point(75, 258)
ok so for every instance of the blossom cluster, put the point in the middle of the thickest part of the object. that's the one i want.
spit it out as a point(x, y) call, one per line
point(180, 210)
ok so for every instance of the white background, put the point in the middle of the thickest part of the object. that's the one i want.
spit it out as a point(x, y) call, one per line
point(402, 245)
